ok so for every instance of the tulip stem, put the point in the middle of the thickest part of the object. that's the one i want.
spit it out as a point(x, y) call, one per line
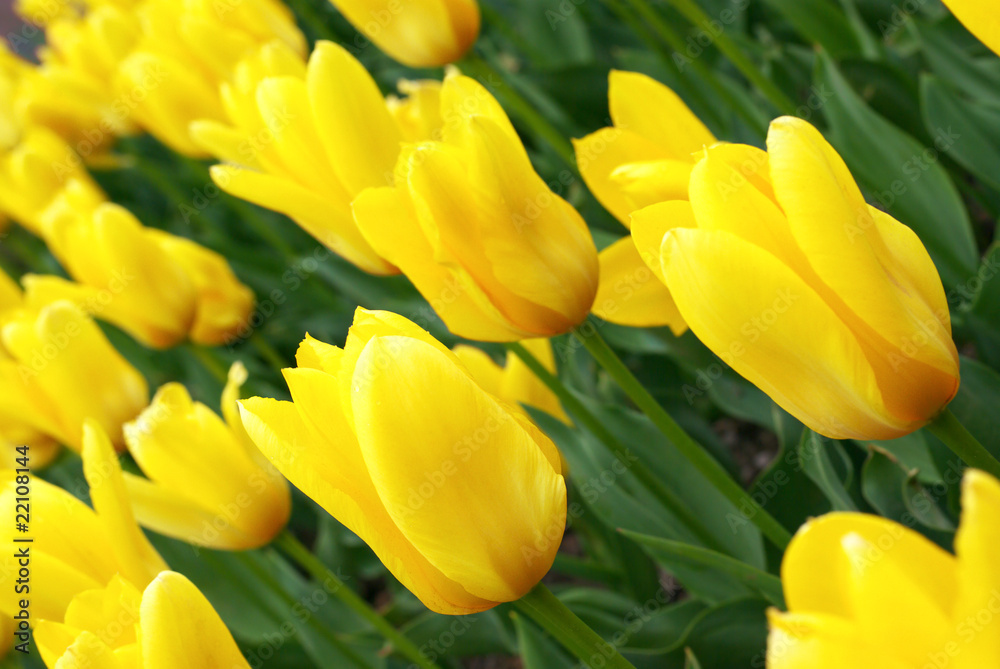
point(580, 413)
point(302, 556)
point(689, 448)
point(696, 15)
point(948, 429)
point(313, 622)
point(555, 618)
point(522, 109)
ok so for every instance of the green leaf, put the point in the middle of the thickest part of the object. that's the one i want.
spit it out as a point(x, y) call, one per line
point(882, 483)
point(825, 462)
point(821, 22)
point(982, 316)
point(902, 175)
point(976, 126)
point(978, 77)
point(976, 403)
point(441, 636)
point(712, 567)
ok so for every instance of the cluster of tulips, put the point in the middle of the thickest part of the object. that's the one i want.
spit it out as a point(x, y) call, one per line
point(434, 456)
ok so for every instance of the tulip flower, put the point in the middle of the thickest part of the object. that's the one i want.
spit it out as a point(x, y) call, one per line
point(830, 306)
point(305, 139)
point(499, 256)
point(76, 548)
point(865, 592)
point(515, 383)
point(417, 33)
point(72, 89)
point(159, 288)
point(232, 499)
point(643, 159)
point(57, 369)
point(168, 625)
point(980, 17)
point(14, 431)
point(393, 436)
point(185, 52)
point(34, 173)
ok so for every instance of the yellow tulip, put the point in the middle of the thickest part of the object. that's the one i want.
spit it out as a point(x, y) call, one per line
point(645, 157)
point(306, 139)
point(394, 437)
point(208, 484)
point(514, 382)
point(72, 90)
point(169, 625)
point(34, 173)
point(76, 548)
point(44, 12)
point(418, 33)
point(642, 159)
point(868, 593)
point(158, 287)
point(187, 49)
point(14, 431)
point(499, 256)
point(830, 306)
point(12, 70)
point(58, 369)
point(980, 17)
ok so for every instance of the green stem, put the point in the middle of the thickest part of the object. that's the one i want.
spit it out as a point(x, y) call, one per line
point(298, 553)
point(253, 220)
point(269, 353)
point(521, 108)
point(732, 51)
point(689, 448)
point(210, 362)
point(584, 416)
point(313, 622)
point(948, 429)
point(552, 615)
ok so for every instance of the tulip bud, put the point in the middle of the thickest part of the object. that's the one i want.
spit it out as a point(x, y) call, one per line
point(186, 51)
point(643, 159)
point(76, 548)
point(59, 369)
point(515, 383)
point(232, 499)
point(860, 586)
point(498, 255)
point(980, 17)
point(829, 305)
point(304, 140)
point(393, 436)
point(170, 624)
point(159, 288)
point(417, 33)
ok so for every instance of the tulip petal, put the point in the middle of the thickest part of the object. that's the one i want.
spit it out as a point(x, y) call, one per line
point(313, 464)
point(773, 329)
point(330, 224)
point(648, 182)
point(388, 221)
point(226, 143)
point(674, 126)
point(980, 17)
point(487, 373)
point(172, 514)
point(521, 384)
point(88, 651)
point(600, 153)
point(818, 641)
point(650, 226)
point(475, 462)
point(181, 629)
point(817, 547)
point(137, 559)
point(833, 225)
point(315, 354)
point(115, 391)
point(463, 100)
point(631, 294)
point(977, 544)
point(52, 640)
point(359, 134)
